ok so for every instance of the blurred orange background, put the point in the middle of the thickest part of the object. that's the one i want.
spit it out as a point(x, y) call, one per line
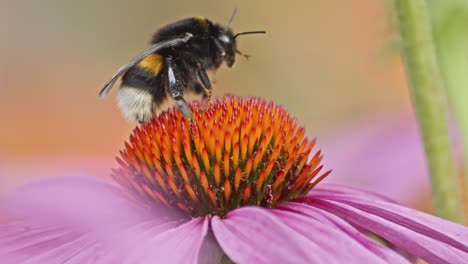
point(328, 62)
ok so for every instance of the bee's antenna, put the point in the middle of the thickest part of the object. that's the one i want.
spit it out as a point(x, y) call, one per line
point(234, 12)
point(250, 32)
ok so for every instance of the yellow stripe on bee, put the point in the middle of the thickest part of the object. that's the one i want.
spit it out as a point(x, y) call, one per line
point(202, 22)
point(153, 63)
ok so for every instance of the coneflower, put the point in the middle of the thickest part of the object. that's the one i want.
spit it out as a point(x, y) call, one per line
point(239, 183)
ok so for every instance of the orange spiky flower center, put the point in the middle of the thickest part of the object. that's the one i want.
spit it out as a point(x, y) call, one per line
point(239, 151)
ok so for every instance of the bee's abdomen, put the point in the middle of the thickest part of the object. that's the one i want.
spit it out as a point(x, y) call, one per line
point(142, 90)
point(153, 64)
point(139, 78)
point(136, 104)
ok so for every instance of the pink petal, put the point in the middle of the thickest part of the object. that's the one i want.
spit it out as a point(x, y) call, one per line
point(126, 242)
point(79, 219)
point(211, 252)
point(430, 238)
point(341, 189)
point(181, 244)
point(255, 235)
point(19, 244)
point(383, 155)
point(352, 239)
point(87, 203)
point(84, 202)
point(57, 245)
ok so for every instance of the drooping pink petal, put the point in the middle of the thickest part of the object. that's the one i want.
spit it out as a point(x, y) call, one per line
point(75, 218)
point(211, 252)
point(430, 238)
point(21, 244)
point(84, 202)
point(341, 189)
point(169, 242)
point(255, 235)
point(181, 244)
point(355, 241)
point(129, 241)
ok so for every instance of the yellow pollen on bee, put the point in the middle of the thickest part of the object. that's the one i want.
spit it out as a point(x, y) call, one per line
point(202, 22)
point(152, 63)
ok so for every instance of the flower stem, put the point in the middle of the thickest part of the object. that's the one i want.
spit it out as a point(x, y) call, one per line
point(430, 105)
point(449, 20)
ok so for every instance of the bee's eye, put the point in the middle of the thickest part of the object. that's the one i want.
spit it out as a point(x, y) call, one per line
point(224, 38)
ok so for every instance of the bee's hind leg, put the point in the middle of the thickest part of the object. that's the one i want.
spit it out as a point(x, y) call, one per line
point(175, 90)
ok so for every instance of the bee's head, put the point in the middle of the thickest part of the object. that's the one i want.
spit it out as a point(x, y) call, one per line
point(227, 40)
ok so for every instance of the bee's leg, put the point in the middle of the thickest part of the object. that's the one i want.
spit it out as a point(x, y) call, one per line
point(246, 56)
point(174, 87)
point(198, 89)
point(205, 80)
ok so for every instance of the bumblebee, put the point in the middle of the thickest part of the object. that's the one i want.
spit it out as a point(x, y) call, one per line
point(176, 63)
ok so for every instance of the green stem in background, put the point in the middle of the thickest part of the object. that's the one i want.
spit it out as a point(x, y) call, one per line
point(430, 105)
point(449, 21)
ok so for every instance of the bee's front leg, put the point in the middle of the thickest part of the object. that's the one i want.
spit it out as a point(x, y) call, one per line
point(205, 80)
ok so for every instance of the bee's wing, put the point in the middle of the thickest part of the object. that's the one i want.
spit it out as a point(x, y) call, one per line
point(154, 48)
